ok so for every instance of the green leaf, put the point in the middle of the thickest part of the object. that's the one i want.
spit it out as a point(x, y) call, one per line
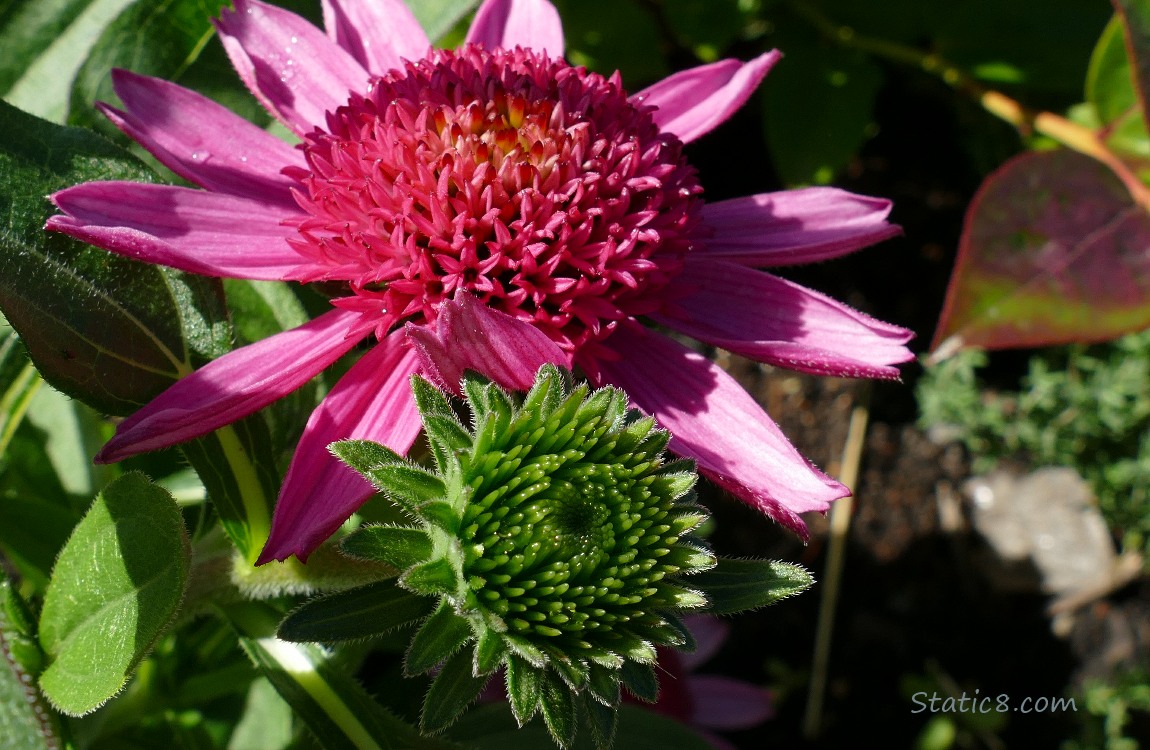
point(438, 16)
point(44, 43)
point(604, 721)
point(406, 484)
point(822, 97)
point(114, 591)
point(266, 723)
point(523, 688)
point(441, 636)
point(607, 35)
point(431, 579)
point(452, 691)
point(26, 719)
point(1110, 88)
point(738, 585)
point(361, 612)
point(106, 330)
point(395, 545)
point(161, 38)
point(558, 707)
point(334, 707)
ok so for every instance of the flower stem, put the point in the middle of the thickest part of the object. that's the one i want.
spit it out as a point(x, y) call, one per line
point(1027, 121)
point(840, 518)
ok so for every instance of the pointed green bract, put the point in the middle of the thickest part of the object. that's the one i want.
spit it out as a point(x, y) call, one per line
point(738, 585)
point(361, 612)
point(26, 719)
point(116, 588)
point(441, 636)
point(394, 545)
point(453, 689)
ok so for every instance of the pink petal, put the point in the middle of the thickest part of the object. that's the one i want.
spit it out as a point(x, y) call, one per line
point(773, 320)
point(723, 703)
point(717, 423)
point(232, 387)
point(379, 34)
point(295, 71)
point(372, 401)
point(201, 141)
point(532, 24)
point(193, 230)
point(469, 335)
point(709, 632)
point(795, 226)
point(693, 102)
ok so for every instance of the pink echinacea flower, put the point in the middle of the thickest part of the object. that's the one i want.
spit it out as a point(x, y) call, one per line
point(494, 197)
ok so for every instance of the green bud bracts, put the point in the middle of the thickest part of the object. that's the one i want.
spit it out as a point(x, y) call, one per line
point(558, 539)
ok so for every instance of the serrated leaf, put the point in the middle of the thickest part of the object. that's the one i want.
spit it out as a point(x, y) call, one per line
point(362, 612)
point(115, 590)
point(557, 703)
point(1054, 250)
point(738, 585)
point(441, 635)
point(106, 330)
point(26, 719)
point(334, 707)
point(452, 691)
point(397, 546)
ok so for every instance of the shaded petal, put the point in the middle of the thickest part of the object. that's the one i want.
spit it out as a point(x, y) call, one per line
point(769, 319)
point(692, 102)
point(379, 34)
point(532, 24)
point(372, 401)
point(723, 703)
point(469, 335)
point(202, 141)
point(193, 230)
point(794, 226)
point(230, 388)
point(717, 423)
point(295, 71)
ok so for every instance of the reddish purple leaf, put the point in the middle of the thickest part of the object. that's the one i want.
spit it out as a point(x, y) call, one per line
point(1054, 251)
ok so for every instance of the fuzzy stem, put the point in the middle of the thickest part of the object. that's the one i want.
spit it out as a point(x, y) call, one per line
point(258, 521)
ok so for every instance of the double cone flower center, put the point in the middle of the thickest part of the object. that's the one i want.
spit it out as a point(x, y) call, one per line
point(534, 185)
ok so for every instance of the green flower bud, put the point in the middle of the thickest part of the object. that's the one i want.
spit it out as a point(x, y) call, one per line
point(559, 547)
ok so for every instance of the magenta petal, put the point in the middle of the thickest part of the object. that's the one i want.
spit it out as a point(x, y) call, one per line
point(773, 320)
point(469, 335)
point(192, 230)
point(723, 703)
point(295, 71)
point(232, 387)
point(372, 401)
point(794, 226)
point(379, 34)
point(201, 141)
point(532, 24)
point(717, 423)
point(693, 102)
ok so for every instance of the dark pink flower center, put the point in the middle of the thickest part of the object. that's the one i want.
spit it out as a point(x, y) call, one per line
point(532, 184)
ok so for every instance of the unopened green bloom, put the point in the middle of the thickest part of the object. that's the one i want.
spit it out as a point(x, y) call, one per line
point(556, 536)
